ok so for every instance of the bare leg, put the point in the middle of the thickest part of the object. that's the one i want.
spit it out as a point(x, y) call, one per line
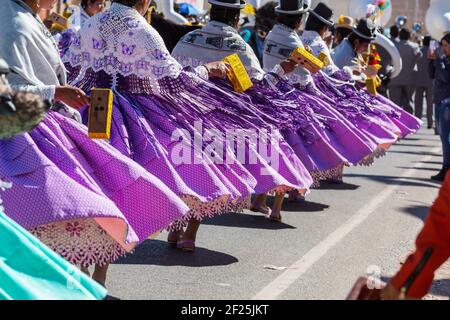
point(276, 208)
point(85, 271)
point(187, 241)
point(100, 274)
point(260, 204)
point(174, 236)
point(295, 196)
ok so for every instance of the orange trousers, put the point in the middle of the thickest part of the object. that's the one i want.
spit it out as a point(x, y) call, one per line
point(432, 249)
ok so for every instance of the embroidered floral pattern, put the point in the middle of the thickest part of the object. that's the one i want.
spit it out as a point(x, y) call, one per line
point(81, 242)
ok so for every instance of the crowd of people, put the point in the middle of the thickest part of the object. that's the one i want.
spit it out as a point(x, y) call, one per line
point(93, 201)
point(425, 78)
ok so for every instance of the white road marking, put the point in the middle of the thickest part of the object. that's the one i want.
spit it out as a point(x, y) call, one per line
point(295, 271)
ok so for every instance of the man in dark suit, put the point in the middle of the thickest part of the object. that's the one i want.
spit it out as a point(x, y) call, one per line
point(402, 87)
point(424, 85)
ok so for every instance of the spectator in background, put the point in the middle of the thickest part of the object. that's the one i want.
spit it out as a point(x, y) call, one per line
point(266, 18)
point(394, 32)
point(342, 29)
point(440, 72)
point(402, 87)
point(424, 85)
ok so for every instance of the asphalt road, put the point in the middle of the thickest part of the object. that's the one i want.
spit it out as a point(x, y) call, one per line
point(367, 224)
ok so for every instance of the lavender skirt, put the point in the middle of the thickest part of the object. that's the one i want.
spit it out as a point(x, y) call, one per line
point(72, 192)
point(379, 109)
point(323, 143)
point(143, 129)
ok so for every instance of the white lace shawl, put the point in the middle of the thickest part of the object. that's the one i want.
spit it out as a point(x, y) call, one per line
point(214, 42)
point(280, 42)
point(119, 41)
point(30, 50)
point(316, 43)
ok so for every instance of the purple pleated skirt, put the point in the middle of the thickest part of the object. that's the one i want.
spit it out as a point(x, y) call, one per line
point(144, 126)
point(378, 108)
point(82, 197)
point(323, 144)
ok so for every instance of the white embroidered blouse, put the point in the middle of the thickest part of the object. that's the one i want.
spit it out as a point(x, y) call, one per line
point(121, 43)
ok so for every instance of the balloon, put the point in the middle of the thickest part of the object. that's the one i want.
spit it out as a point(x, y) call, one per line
point(360, 8)
point(437, 19)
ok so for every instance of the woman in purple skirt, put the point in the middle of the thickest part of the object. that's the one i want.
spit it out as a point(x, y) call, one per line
point(324, 144)
point(81, 197)
point(159, 105)
point(336, 84)
point(282, 40)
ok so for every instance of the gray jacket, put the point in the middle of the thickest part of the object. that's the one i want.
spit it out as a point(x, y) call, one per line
point(423, 78)
point(410, 53)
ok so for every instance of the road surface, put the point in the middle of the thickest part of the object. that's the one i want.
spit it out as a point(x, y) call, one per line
point(367, 224)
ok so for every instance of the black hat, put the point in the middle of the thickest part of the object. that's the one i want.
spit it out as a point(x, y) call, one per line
point(234, 4)
point(292, 7)
point(364, 30)
point(323, 13)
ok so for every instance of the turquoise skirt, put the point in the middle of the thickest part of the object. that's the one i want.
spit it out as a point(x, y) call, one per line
point(31, 271)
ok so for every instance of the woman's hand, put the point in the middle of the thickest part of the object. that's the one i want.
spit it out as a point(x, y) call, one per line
point(217, 69)
point(288, 66)
point(371, 71)
point(72, 96)
point(309, 49)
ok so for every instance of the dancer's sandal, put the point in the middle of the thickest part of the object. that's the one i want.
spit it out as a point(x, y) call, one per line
point(186, 245)
point(264, 210)
point(172, 235)
point(295, 196)
point(274, 218)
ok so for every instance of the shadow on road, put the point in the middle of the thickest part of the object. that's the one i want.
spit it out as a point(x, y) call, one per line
point(247, 221)
point(324, 185)
point(420, 153)
point(412, 145)
point(304, 206)
point(420, 212)
point(430, 162)
point(422, 139)
point(405, 181)
point(441, 288)
point(421, 168)
point(157, 252)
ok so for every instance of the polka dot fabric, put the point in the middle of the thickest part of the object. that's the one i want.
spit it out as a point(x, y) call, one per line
point(58, 174)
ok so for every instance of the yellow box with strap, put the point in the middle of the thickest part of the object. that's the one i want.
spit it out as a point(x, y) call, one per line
point(307, 60)
point(100, 114)
point(60, 23)
point(238, 76)
point(324, 58)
